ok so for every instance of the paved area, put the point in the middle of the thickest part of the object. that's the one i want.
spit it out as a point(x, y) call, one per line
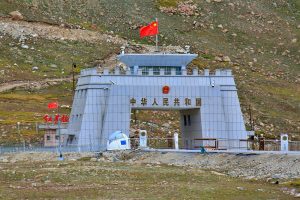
point(235, 151)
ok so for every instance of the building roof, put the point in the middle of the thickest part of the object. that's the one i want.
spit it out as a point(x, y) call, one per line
point(173, 60)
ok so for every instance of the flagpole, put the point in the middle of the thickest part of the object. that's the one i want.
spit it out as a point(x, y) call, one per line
point(156, 37)
point(59, 134)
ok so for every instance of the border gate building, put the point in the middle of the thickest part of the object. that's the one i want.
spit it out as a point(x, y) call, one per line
point(208, 103)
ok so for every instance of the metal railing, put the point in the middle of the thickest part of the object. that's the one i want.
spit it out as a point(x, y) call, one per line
point(40, 148)
point(156, 143)
point(162, 143)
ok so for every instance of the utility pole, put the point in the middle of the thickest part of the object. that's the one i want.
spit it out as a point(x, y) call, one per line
point(73, 76)
point(251, 119)
point(134, 111)
point(59, 134)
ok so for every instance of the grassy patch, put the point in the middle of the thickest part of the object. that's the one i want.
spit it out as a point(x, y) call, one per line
point(53, 58)
point(29, 107)
point(21, 97)
point(168, 3)
point(89, 180)
point(295, 183)
point(84, 158)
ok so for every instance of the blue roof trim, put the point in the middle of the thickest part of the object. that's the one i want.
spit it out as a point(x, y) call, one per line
point(171, 60)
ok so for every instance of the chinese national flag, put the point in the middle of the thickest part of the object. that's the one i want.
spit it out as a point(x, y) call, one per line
point(151, 29)
point(53, 105)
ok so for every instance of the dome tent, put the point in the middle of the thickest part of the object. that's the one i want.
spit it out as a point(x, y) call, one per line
point(118, 141)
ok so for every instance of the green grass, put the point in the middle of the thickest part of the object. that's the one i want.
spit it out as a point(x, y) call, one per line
point(101, 180)
point(295, 183)
point(17, 62)
point(21, 97)
point(168, 3)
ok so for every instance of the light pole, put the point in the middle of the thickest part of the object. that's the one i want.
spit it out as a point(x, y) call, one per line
point(59, 134)
point(73, 76)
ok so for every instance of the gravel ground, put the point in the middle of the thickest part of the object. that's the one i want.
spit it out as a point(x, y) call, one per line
point(267, 166)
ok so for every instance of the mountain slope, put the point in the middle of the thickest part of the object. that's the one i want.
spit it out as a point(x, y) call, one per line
point(259, 39)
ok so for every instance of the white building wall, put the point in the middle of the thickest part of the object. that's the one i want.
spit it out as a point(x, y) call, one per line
point(103, 106)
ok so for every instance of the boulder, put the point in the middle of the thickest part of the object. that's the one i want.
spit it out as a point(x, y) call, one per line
point(226, 59)
point(35, 68)
point(16, 15)
point(24, 46)
point(53, 65)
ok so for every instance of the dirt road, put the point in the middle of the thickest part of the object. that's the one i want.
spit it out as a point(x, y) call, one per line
point(12, 85)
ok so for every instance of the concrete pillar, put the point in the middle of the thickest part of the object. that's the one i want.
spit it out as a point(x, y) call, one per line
point(284, 142)
point(173, 72)
point(162, 72)
point(117, 71)
point(150, 72)
point(135, 69)
point(229, 72)
point(206, 72)
point(176, 141)
point(106, 71)
point(195, 72)
point(140, 72)
point(143, 139)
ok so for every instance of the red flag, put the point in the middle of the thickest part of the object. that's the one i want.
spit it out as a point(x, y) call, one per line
point(53, 105)
point(151, 29)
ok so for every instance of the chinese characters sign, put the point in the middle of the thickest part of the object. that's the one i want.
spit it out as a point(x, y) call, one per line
point(165, 102)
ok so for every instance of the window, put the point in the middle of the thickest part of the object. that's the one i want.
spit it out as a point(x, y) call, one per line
point(184, 120)
point(48, 138)
point(168, 71)
point(145, 71)
point(178, 70)
point(131, 70)
point(156, 71)
point(71, 138)
point(56, 137)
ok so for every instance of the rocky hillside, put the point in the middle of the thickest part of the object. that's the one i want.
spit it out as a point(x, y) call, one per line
point(258, 40)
